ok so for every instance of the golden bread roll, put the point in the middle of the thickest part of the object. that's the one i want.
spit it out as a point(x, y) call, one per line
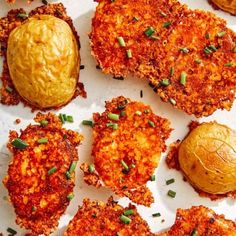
point(43, 60)
point(207, 157)
point(226, 5)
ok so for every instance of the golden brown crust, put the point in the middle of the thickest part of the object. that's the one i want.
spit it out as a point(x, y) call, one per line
point(225, 5)
point(98, 218)
point(203, 221)
point(210, 85)
point(135, 142)
point(40, 198)
point(10, 22)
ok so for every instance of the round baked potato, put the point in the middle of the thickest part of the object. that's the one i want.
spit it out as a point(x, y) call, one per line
point(43, 60)
point(226, 5)
point(207, 157)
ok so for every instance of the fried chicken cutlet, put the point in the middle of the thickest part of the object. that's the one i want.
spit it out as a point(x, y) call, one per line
point(41, 177)
point(200, 221)
point(188, 56)
point(128, 139)
point(97, 218)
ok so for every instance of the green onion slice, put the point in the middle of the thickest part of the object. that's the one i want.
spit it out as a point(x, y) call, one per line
point(113, 116)
point(19, 143)
point(170, 181)
point(121, 41)
point(149, 31)
point(171, 193)
point(128, 212)
point(42, 140)
point(125, 219)
point(72, 167)
point(88, 122)
point(52, 170)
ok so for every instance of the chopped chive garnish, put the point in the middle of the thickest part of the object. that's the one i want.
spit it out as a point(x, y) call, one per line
point(88, 122)
point(11, 231)
point(70, 119)
point(129, 53)
point(9, 90)
point(234, 49)
point(45, 2)
point(52, 170)
point(156, 214)
point(207, 51)
point(19, 143)
point(151, 123)
point(153, 178)
point(135, 18)
point(229, 64)
point(118, 234)
point(170, 181)
point(113, 116)
point(171, 193)
point(172, 71)
point(149, 31)
point(123, 113)
point(146, 111)
point(43, 122)
point(172, 101)
point(198, 61)
point(70, 196)
point(138, 113)
point(132, 166)
point(67, 174)
point(164, 82)
point(194, 233)
point(22, 15)
point(128, 212)
point(113, 126)
point(162, 14)
point(42, 140)
point(221, 34)
point(213, 48)
point(184, 50)
point(166, 24)
point(91, 168)
point(65, 137)
point(183, 78)
point(72, 167)
point(34, 208)
point(155, 37)
point(207, 35)
point(124, 165)
point(62, 118)
point(121, 41)
point(82, 67)
point(125, 219)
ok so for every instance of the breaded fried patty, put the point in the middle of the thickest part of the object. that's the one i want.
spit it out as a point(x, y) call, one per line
point(201, 221)
point(128, 139)
point(97, 218)
point(41, 176)
point(188, 56)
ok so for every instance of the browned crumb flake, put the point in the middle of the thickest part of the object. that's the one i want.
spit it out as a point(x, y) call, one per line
point(98, 218)
point(10, 22)
point(38, 196)
point(137, 141)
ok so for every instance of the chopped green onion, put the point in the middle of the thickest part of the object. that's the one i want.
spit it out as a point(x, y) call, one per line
point(149, 31)
point(132, 166)
point(183, 78)
point(70, 196)
point(146, 111)
point(135, 18)
point(67, 174)
point(11, 231)
point(42, 140)
point(166, 24)
point(118, 234)
point(124, 165)
point(156, 214)
point(34, 208)
point(125, 219)
point(123, 113)
point(164, 82)
point(198, 61)
point(207, 35)
point(65, 137)
point(22, 15)
point(171, 193)
point(229, 64)
point(162, 14)
point(138, 113)
point(172, 71)
point(62, 118)
point(221, 34)
point(129, 53)
point(43, 122)
point(19, 143)
point(153, 178)
point(113, 116)
point(128, 212)
point(9, 90)
point(170, 181)
point(151, 123)
point(212, 47)
point(121, 41)
point(194, 233)
point(70, 119)
point(113, 126)
point(91, 168)
point(72, 167)
point(45, 2)
point(52, 170)
point(172, 101)
point(155, 37)
point(88, 122)
point(207, 51)
point(184, 50)
point(234, 49)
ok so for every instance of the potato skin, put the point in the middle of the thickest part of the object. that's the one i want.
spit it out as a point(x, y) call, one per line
point(43, 61)
point(207, 158)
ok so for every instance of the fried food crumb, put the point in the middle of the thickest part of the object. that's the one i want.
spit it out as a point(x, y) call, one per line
point(17, 121)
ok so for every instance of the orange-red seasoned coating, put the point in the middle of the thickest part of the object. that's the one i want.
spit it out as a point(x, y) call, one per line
point(36, 180)
point(195, 43)
point(97, 218)
point(127, 151)
point(10, 22)
point(203, 221)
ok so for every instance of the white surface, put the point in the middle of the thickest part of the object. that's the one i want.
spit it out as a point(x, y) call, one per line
point(100, 88)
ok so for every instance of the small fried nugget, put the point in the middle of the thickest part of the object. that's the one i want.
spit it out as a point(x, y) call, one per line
point(201, 221)
point(41, 177)
point(128, 139)
point(97, 219)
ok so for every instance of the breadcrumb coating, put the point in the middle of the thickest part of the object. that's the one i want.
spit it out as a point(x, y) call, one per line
point(127, 151)
point(36, 180)
point(168, 41)
point(97, 218)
